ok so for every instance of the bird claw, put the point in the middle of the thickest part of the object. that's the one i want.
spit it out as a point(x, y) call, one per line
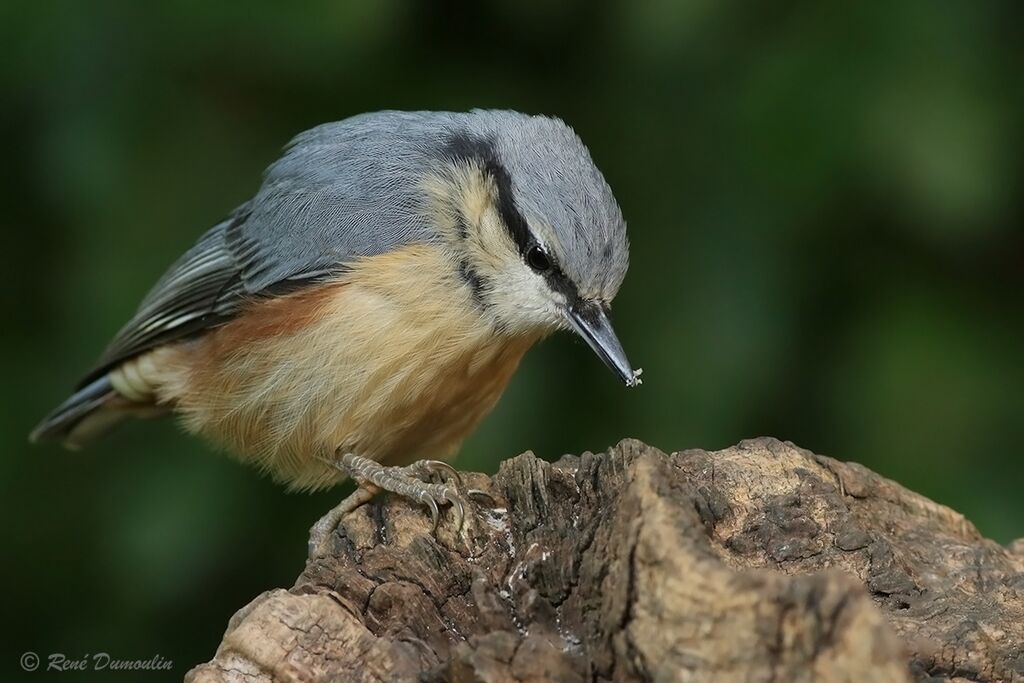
point(320, 533)
point(459, 511)
point(430, 498)
point(478, 493)
point(405, 481)
point(435, 513)
point(431, 468)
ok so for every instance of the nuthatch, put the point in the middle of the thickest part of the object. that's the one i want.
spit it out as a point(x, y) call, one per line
point(369, 305)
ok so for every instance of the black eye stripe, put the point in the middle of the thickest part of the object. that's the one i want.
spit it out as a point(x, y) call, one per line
point(481, 150)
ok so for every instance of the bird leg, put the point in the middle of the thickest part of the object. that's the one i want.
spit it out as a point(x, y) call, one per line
point(424, 481)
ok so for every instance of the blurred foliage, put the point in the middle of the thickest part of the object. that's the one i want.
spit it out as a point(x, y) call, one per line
point(825, 209)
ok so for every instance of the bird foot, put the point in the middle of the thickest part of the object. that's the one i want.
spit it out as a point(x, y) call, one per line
point(429, 482)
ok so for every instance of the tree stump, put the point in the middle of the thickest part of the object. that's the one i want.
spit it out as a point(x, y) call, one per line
point(760, 562)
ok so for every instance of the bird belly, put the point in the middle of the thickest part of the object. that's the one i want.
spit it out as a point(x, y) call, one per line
point(385, 363)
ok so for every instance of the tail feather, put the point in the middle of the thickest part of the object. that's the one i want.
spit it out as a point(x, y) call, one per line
point(83, 409)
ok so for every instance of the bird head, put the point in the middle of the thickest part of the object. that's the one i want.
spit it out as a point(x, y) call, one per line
point(535, 229)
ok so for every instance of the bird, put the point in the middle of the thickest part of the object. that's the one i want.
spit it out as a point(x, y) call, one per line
point(361, 314)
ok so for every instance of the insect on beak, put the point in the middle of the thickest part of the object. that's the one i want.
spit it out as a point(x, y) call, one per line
point(590, 321)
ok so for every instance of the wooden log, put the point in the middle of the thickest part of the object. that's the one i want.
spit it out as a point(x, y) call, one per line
point(760, 562)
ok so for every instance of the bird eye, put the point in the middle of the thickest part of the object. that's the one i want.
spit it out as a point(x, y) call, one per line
point(538, 259)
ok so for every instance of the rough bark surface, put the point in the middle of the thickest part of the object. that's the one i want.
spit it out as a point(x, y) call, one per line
point(761, 562)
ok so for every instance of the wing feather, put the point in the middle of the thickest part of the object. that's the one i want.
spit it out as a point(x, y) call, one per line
point(341, 191)
point(201, 289)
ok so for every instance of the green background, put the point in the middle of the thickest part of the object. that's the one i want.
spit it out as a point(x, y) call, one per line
point(824, 203)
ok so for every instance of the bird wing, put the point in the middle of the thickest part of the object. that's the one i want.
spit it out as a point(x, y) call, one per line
point(201, 289)
point(341, 191)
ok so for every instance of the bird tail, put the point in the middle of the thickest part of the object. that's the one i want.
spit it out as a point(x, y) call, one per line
point(88, 414)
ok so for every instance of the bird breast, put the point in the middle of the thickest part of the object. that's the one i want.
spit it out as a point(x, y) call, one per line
point(392, 361)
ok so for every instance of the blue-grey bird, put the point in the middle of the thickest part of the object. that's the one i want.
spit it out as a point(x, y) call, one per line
point(368, 306)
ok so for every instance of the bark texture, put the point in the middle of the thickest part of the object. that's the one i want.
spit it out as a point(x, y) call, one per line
point(760, 562)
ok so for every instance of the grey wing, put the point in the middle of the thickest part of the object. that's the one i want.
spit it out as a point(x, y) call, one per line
point(341, 191)
point(202, 288)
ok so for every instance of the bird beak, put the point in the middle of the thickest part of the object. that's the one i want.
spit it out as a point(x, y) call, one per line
point(591, 322)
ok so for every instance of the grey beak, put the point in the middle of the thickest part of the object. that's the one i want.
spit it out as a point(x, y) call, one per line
point(591, 322)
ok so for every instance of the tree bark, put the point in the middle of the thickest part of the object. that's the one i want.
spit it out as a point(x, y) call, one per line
point(760, 562)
